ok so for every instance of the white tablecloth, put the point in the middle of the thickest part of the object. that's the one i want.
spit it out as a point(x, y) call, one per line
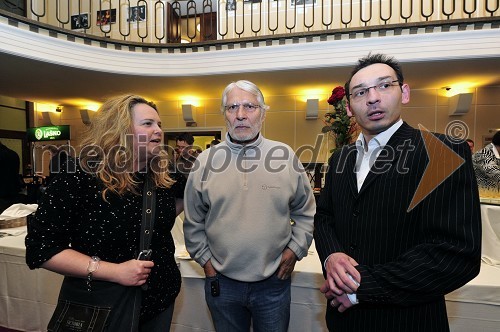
point(28, 298)
point(490, 215)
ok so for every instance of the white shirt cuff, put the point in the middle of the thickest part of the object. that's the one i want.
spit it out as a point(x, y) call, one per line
point(353, 298)
point(326, 260)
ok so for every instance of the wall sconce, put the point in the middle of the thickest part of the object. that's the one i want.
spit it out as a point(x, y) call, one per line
point(84, 114)
point(59, 109)
point(188, 115)
point(312, 109)
point(459, 104)
point(46, 119)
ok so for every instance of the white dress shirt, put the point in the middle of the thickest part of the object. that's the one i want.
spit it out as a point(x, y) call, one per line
point(368, 153)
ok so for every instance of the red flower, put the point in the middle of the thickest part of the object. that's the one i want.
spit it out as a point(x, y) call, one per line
point(337, 123)
point(337, 95)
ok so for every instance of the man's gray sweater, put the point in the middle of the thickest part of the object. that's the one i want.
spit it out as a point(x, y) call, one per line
point(244, 205)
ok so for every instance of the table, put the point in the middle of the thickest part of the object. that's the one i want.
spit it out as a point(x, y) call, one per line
point(28, 298)
point(476, 306)
point(490, 215)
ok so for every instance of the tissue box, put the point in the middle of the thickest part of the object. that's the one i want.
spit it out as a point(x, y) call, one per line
point(14, 222)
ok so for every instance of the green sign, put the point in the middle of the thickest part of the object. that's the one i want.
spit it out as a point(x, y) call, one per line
point(51, 133)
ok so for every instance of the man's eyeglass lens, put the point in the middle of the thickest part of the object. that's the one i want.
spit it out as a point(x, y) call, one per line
point(247, 107)
point(382, 87)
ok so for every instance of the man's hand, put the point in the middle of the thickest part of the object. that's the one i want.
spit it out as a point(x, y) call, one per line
point(325, 289)
point(209, 269)
point(342, 302)
point(338, 268)
point(287, 264)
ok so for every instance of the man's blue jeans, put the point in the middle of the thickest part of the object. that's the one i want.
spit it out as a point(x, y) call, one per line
point(266, 304)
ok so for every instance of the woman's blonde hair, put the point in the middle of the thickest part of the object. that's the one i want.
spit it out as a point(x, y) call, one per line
point(108, 151)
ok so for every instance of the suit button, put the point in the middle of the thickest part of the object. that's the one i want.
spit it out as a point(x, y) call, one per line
point(355, 213)
point(353, 246)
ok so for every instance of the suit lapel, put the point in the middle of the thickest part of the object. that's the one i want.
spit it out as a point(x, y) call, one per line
point(348, 160)
point(389, 155)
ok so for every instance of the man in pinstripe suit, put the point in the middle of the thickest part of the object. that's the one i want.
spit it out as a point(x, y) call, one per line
point(389, 262)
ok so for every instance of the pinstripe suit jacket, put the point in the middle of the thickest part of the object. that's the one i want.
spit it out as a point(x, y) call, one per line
point(408, 261)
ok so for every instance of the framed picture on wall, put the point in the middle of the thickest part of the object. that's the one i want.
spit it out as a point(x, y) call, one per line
point(294, 3)
point(137, 14)
point(80, 21)
point(105, 17)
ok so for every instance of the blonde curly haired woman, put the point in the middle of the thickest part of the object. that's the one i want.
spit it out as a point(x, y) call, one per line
point(91, 214)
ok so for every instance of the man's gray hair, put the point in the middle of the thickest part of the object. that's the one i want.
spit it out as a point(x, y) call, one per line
point(245, 86)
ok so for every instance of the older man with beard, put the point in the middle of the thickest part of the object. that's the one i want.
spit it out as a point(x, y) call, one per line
point(249, 217)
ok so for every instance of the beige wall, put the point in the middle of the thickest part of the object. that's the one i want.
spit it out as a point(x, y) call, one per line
point(285, 120)
point(430, 109)
point(12, 114)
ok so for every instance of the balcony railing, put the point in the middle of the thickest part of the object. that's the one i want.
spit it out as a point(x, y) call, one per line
point(191, 21)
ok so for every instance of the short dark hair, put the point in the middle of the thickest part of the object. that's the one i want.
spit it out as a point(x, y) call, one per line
point(372, 59)
point(186, 137)
point(496, 138)
point(469, 140)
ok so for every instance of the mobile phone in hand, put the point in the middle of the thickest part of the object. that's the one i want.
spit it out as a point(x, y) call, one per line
point(145, 255)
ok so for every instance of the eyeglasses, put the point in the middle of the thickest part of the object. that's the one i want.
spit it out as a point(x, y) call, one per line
point(247, 107)
point(383, 87)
